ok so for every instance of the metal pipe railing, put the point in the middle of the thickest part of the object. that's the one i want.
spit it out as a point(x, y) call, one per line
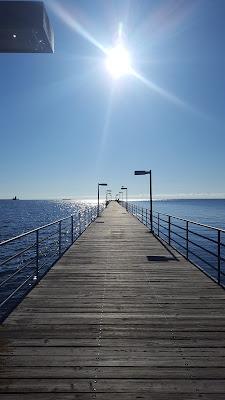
point(210, 253)
point(26, 258)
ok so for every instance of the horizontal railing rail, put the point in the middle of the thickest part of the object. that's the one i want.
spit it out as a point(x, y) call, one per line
point(26, 258)
point(203, 245)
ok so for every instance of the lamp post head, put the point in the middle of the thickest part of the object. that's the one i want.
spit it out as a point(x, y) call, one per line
point(124, 188)
point(141, 172)
point(102, 184)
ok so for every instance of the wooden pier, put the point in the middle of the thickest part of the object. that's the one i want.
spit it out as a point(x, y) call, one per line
point(121, 316)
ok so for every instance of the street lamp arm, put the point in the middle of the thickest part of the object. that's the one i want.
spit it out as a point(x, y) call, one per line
point(140, 172)
point(100, 184)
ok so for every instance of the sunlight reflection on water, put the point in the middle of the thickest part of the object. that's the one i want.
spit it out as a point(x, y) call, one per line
point(20, 216)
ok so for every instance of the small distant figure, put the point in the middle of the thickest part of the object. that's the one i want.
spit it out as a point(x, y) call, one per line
point(15, 198)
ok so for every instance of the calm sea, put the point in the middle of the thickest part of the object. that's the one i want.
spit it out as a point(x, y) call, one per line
point(206, 211)
point(20, 216)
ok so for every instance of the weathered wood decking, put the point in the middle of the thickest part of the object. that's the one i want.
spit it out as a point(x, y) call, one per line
point(118, 317)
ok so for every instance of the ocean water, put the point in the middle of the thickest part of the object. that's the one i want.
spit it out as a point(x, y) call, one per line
point(17, 217)
point(206, 211)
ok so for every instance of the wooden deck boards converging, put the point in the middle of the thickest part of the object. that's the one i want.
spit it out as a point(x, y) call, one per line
point(119, 317)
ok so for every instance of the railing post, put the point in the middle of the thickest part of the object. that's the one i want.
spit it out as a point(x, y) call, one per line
point(71, 228)
point(79, 221)
point(146, 216)
point(187, 240)
point(169, 223)
point(218, 256)
point(37, 253)
point(158, 224)
point(60, 237)
point(142, 215)
point(85, 219)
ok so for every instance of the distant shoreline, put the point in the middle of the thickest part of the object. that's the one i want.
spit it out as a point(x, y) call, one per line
point(131, 199)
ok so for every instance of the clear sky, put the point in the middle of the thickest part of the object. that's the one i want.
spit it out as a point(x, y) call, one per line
point(66, 124)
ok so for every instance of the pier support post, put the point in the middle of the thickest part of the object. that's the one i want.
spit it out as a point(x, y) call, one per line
point(37, 254)
point(187, 239)
point(72, 228)
point(218, 256)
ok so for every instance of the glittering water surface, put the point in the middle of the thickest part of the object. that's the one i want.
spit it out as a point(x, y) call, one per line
point(20, 216)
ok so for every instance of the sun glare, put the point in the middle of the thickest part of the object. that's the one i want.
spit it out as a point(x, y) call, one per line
point(118, 61)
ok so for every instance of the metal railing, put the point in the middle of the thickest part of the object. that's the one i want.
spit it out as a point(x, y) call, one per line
point(202, 245)
point(26, 258)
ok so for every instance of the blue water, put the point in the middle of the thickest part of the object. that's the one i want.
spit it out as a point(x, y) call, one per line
point(206, 211)
point(20, 216)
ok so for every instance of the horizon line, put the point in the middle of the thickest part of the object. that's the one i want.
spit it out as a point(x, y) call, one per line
point(192, 196)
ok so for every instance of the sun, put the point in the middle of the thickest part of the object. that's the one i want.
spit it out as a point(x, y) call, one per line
point(118, 61)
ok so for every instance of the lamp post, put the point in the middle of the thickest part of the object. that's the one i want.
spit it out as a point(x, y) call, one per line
point(108, 192)
point(125, 188)
point(100, 184)
point(121, 196)
point(150, 192)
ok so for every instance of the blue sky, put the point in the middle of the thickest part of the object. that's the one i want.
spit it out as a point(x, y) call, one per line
point(66, 124)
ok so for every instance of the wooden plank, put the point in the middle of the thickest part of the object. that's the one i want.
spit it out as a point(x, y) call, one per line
point(120, 316)
point(78, 372)
point(187, 342)
point(112, 396)
point(107, 386)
